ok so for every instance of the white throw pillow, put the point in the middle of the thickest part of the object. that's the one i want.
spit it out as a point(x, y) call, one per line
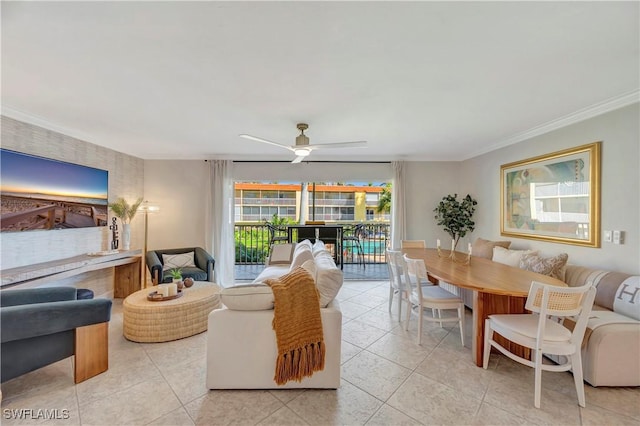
point(302, 245)
point(274, 271)
point(509, 257)
point(300, 256)
point(310, 267)
point(317, 247)
point(182, 260)
point(328, 278)
point(627, 300)
point(247, 297)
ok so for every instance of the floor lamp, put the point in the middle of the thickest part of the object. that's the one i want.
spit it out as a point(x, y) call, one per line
point(147, 208)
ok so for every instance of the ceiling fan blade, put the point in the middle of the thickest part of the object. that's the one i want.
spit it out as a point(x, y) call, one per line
point(257, 139)
point(298, 159)
point(357, 144)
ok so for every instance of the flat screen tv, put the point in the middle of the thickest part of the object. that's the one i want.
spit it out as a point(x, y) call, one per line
point(40, 193)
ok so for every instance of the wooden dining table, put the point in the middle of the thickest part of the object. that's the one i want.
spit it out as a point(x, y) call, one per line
point(497, 289)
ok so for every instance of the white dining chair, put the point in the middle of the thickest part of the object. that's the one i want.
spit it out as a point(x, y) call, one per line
point(397, 283)
point(546, 331)
point(430, 297)
point(413, 244)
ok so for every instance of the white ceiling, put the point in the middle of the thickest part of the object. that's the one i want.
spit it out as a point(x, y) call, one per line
point(417, 80)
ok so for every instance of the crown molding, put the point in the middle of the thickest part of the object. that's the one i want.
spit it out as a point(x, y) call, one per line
point(580, 115)
point(35, 120)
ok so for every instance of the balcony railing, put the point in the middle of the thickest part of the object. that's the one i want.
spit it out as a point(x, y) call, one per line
point(252, 243)
point(265, 201)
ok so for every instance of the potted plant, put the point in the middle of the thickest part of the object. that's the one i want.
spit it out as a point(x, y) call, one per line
point(455, 216)
point(176, 274)
point(125, 212)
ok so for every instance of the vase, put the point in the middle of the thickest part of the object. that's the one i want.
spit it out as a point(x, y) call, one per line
point(126, 236)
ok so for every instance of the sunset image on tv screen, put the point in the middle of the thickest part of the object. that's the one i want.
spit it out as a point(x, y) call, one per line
point(39, 193)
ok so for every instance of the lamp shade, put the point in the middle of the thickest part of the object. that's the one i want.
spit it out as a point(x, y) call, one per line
point(149, 207)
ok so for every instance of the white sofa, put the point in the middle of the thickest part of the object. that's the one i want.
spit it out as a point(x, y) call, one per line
point(611, 355)
point(241, 343)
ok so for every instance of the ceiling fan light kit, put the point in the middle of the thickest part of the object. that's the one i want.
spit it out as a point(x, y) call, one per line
point(302, 148)
point(301, 152)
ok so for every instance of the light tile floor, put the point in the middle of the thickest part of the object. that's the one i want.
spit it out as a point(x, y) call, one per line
point(387, 380)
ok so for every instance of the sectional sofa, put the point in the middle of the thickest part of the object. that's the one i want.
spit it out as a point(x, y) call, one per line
point(611, 351)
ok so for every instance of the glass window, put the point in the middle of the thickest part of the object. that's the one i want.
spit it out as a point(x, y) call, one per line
point(372, 197)
point(269, 194)
point(287, 194)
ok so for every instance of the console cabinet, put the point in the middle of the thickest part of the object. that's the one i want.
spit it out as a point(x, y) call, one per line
point(126, 267)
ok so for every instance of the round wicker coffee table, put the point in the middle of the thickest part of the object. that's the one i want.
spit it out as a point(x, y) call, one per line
point(162, 321)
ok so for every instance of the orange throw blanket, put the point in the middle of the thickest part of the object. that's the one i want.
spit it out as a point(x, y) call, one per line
point(298, 326)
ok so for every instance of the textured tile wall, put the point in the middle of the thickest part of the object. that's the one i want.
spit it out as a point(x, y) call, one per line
point(126, 179)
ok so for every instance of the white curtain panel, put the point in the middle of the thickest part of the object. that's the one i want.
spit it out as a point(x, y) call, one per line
point(398, 210)
point(219, 220)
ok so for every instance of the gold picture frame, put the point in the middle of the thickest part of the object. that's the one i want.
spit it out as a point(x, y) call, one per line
point(553, 197)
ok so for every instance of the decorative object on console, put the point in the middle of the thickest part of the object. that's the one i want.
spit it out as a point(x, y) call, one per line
point(188, 282)
point(114, 234)
point(455, 216)
point(125, 212)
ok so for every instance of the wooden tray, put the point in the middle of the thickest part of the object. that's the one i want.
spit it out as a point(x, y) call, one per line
point(154, 296)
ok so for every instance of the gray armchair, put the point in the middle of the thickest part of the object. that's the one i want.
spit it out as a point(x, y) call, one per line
point(203, 271)
point(41, 326)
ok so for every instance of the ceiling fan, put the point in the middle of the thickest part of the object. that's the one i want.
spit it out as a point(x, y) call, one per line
point(302, 148)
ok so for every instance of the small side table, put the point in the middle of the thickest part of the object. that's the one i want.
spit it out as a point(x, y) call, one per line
point(162, 321)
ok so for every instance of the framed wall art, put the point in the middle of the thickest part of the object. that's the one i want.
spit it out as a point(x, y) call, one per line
point(553, 197)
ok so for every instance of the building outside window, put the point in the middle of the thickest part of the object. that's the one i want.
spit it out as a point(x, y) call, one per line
point(345, 202)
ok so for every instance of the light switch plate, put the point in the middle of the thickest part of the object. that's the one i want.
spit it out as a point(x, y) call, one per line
point(618, 237)
point(607, 236)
